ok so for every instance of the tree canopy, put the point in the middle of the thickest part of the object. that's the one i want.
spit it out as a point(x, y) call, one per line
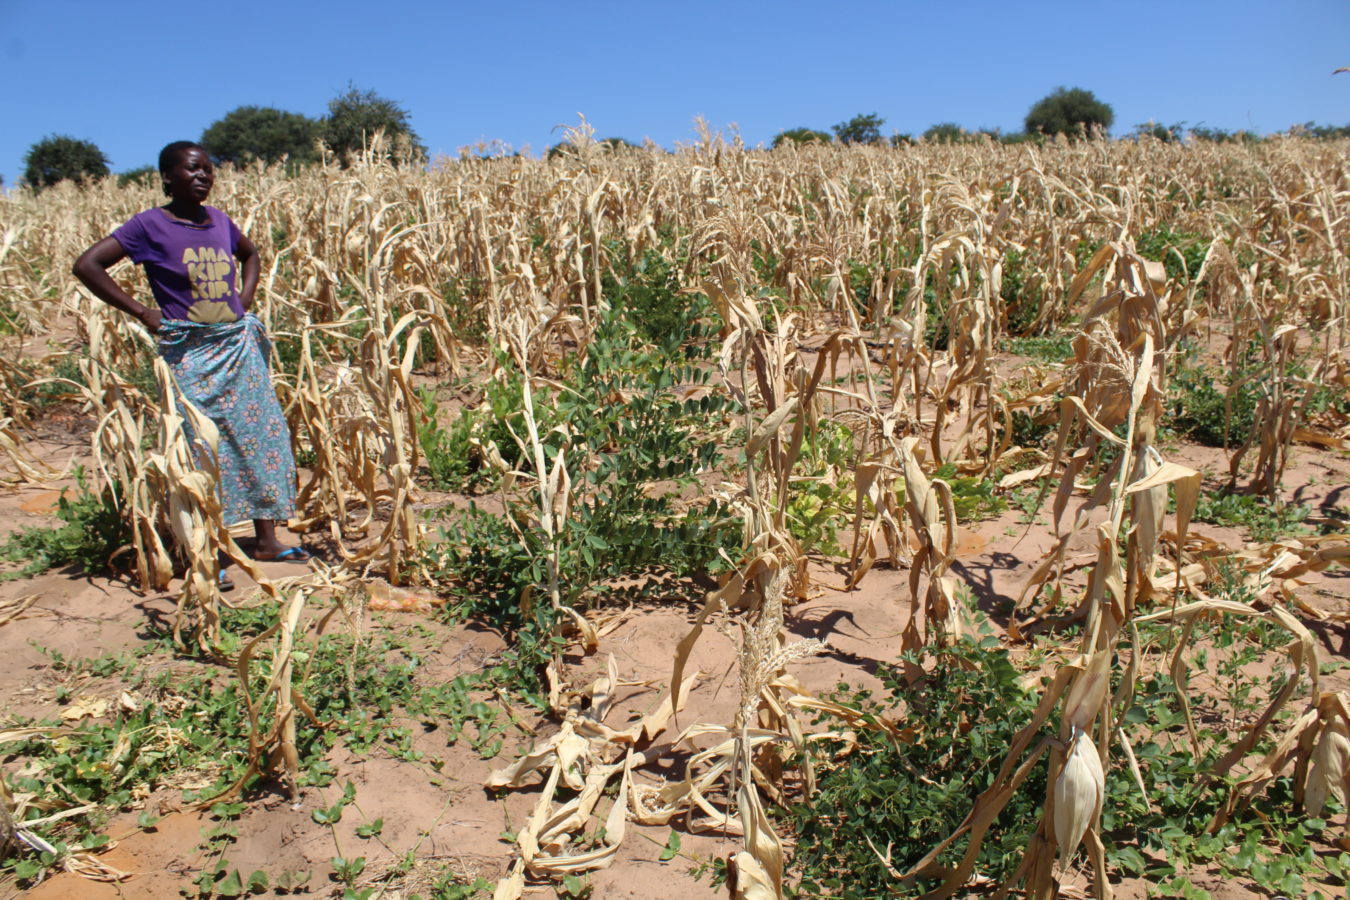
point(247, 133)
point(861, 129)
point(60, 157)
point(355, 116)
point(142, 175)
point(1071, 111)
point(947, 133)
point(802, 135)
point(610, 144)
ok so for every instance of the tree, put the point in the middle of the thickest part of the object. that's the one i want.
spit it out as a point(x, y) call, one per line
point(59, 157)
point(566, 149)
point(861, 129)
point(247, 133)
point(1072, 111)
point(355, 116)
point(947, 133)
point(147, 176)
point(1321, 132)
point(801, 135)
point(1222, 136)
point(1168, 134)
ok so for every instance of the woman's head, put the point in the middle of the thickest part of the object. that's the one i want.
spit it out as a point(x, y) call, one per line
point(186, 171)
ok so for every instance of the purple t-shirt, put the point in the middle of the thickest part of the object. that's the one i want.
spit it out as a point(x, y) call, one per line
point(191, 268)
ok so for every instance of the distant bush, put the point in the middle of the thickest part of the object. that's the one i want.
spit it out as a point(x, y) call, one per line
point(247, 133)
point(861, 129)
point(1069, 111)
point(1168, 134)
point(1221, 136)
point(566, 148)
point(801, 135)
point(61, 157)
point(144, 175)
point(356, 116)
point(947, 133)
point(1321, 132)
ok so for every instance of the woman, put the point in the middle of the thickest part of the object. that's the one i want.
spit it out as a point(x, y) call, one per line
point(203, 273)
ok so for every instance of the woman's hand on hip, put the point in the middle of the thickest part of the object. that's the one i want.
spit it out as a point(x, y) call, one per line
point(151, 319)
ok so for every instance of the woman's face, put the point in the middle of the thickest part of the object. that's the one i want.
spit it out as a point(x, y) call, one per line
point(191, 179)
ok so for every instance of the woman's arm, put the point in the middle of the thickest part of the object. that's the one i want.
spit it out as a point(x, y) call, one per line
point(247, 254)
point(92, 270)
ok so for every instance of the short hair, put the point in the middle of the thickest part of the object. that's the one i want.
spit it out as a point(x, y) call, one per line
point(172, 153)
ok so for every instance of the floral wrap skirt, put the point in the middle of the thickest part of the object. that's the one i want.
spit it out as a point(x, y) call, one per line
point(222, 370)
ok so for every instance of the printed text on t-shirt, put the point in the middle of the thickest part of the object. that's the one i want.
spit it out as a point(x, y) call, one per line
point(207, 268)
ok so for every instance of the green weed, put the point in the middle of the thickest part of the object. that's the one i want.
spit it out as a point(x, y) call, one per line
point(92, 530)
point(973, 498)
point(822, 495)
point(453, 459)
point(909, 795)
point(1053, 348)
point(453, 886)
point(1263, 520)
point(1021, 293)
point(194, 727)
point(1182, 253)
point(1199, 409)
point(56, 386)
point(627, 417)
point(1164, 835)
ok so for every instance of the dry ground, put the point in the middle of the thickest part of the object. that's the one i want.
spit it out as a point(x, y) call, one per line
point(447, 816)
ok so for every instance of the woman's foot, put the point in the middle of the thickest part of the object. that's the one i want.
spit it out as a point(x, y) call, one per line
point(224, 582)
point(282, 554)
point(267, 548)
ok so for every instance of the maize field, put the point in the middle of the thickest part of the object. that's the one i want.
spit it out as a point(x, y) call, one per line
point(944, 521)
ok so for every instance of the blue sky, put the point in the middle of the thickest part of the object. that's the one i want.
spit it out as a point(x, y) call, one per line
point(132, 76)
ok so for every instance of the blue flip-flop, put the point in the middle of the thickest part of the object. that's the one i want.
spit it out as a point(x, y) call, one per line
point(290, 554)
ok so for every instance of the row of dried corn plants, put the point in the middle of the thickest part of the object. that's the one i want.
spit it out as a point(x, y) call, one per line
point(898, 257)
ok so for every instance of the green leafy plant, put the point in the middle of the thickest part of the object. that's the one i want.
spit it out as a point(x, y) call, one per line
point(1022, 294)
point(822, 495)
point(672, 847)
point(1200, 410)
point(910, 793)
point(451, 460)
point(1263, 520)
point(574, 888)
point(1182, 253)
point(366, 689)
point(333, 814)
point(973, 498)
point(453, 886)
point(1053, 348)
point(630, 416)
point(1163, 834)
point(92, 530)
